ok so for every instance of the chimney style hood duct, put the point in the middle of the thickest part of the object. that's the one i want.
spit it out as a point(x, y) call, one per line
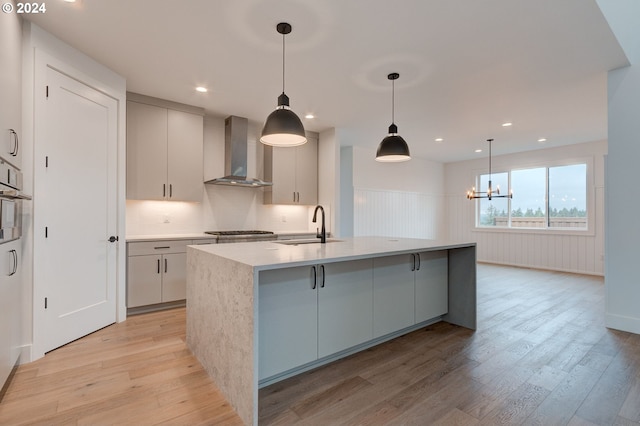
point(235, 155)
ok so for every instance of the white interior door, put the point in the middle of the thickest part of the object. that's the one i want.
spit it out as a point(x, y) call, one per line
point(75, 210)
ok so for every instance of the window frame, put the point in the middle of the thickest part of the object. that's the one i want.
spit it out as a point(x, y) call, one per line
point(590, 198)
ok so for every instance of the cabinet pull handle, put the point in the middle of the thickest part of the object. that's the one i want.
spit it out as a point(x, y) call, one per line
point(170, 190)
point(315, 278)
point(322, 282)
point(165, 265)
point(14, 266)
point(162, 247)
point(294, 196)
point(418, 268)
point(14, 150)
point(164, 190)
point(298, 196)
point(158, 265)
point(413, 262)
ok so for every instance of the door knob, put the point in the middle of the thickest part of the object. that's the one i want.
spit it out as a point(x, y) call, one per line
point(113, 239)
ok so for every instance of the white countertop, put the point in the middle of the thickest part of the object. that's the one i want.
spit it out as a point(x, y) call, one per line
point(272, 255)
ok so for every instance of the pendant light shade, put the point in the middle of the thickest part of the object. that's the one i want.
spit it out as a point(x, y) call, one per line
point(283, 127)
point(393, 147)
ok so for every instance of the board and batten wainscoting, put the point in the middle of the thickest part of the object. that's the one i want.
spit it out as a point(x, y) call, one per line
point(579, 252)
point(404, 200)
point(396, 213)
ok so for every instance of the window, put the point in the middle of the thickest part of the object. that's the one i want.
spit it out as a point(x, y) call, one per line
point(544, 197)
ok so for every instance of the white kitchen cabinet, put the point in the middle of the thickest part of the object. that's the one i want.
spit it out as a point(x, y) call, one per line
point(345, 300)
point(164, 153)
point(393, 293)
point(294, 173)
point(156, 272)
point(10, 88)
point(288, 326)
point(431, 299)
point(10, 302)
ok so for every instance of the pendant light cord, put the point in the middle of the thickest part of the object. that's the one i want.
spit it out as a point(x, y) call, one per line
point(283, 63)
point(393, 101)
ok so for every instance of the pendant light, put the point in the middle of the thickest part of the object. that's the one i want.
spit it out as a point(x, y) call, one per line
point(393, 148)
point(472, 194)
point(283, 127)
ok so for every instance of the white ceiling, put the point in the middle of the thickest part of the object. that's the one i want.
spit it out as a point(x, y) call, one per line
point(466, 66)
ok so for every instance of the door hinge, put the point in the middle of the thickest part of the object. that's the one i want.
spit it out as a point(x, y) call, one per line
point(45, 303)
point(47, 92)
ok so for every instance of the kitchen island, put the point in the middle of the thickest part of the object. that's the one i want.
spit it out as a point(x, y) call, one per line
point(260, 312)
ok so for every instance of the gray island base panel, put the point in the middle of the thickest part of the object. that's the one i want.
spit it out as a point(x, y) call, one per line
point(223, 294)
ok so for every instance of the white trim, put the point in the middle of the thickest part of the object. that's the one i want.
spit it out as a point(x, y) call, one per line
point(619, 322)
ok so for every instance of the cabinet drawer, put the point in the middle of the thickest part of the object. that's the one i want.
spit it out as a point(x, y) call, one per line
point(158, 247)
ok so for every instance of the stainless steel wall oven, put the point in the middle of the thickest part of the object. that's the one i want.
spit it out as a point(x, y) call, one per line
point(11, 197)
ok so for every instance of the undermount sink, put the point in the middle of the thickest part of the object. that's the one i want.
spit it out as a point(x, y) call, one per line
point(298, 242)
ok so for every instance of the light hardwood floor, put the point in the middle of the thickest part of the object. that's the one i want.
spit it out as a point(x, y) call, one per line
point(541, 356)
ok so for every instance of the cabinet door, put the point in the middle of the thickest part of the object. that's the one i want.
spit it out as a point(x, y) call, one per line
point(283, 175)
point(185, 145)
point(288, 319)
point(432, 285)
point(10, 303)
point(307, 172)
point(345, 306)
point(144, 280)
point(146, 152)
point(393, 294)
point(174, 277)
point(10, 87)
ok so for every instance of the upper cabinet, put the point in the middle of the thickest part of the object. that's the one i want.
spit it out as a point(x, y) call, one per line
point(294, 173)
point(164, 150)
point(10, 89)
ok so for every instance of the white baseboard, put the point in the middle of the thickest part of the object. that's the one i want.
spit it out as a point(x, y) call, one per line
point(618, 322)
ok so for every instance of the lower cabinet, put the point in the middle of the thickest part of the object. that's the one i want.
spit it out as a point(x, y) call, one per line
point(393, 293)
point(409, 289)
point(432, 289)
point(10, 302)
point(309, 312)
point(345, 297)
point(156, 272)
point(288, 319)
point(306, 313)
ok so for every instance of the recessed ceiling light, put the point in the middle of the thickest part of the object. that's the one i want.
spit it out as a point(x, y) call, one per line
point(309, 116)
point(542, 140)
point(202, 89)
point(439, 139)
point(507, 124)
point(478, 150)
point(69, 1)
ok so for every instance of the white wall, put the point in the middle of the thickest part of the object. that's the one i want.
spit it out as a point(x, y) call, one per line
point(391, 199)
point(580, 251)
point(222, 207)
point(623, 204)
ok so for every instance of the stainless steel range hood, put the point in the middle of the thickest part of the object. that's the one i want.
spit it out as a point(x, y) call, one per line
point(235, 156)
